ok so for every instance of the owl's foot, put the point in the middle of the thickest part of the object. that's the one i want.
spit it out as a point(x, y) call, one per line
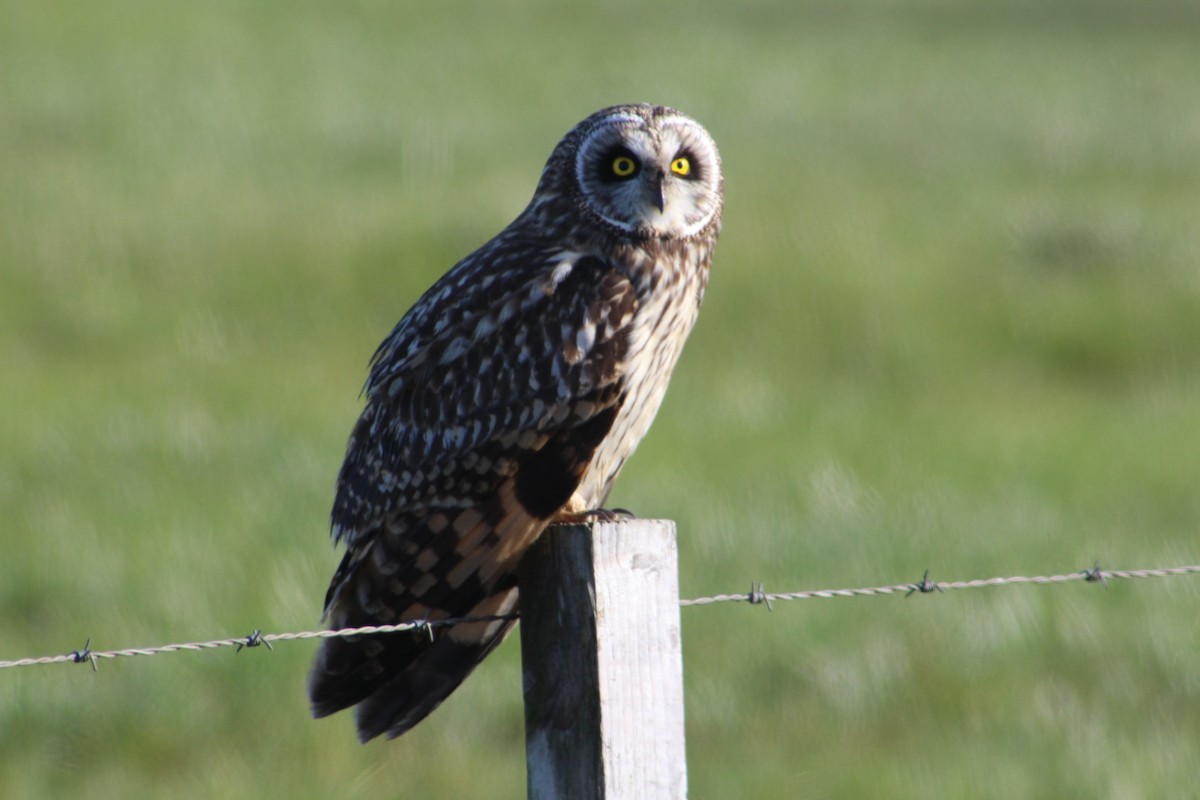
point(593, 516)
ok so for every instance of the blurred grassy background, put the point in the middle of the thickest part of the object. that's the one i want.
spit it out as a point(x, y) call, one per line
point(954, 323)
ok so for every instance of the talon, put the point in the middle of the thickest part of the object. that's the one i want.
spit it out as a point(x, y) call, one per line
point(593, 516)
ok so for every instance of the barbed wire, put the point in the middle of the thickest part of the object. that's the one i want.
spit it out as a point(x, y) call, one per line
point(925, 586)
point(255, 639)
point(755, 596)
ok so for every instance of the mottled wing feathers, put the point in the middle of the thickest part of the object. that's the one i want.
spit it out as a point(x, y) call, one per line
point(499, 352)
point(484, 409)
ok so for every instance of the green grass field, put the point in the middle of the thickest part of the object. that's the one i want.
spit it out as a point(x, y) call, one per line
point(954, 323)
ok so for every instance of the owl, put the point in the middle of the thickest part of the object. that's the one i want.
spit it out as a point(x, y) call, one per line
point(508, 399)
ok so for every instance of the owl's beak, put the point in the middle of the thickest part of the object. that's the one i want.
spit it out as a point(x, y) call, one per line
point(654, 191)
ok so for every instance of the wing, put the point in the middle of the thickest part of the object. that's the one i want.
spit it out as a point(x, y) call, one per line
point(484, 408)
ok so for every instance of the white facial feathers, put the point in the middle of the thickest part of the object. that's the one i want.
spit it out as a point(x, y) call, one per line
point(658, 175)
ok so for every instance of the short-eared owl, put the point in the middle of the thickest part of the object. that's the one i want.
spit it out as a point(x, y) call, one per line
point(508, 398)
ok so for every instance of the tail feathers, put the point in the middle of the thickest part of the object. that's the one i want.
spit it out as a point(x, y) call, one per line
point(398, 679)
point(410, 697)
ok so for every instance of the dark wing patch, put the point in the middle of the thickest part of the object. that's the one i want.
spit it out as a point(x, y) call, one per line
point(548, 478)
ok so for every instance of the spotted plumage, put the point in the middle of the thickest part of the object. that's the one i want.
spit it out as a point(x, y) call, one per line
point(509, 397)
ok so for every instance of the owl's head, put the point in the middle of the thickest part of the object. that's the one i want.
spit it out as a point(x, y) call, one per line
point(647, 171)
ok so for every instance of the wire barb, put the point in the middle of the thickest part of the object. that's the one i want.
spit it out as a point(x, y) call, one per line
point(423, 627)
point(255, 639)
point(80, 656)
point(926, 586)
point(1096, 575)
point(758, 597)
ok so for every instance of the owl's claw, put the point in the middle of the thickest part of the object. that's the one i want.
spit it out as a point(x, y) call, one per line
point(593, 516)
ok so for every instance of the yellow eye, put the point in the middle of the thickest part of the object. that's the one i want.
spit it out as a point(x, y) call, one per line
point(681, 166)
point(623, 166)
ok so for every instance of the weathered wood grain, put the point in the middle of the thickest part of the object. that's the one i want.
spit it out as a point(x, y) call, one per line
point(603, 670)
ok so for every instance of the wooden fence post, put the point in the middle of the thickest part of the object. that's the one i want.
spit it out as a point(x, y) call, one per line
point(603, 670)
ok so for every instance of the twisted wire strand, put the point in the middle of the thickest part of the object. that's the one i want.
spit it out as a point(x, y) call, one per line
point(1094, 575)
point(755, 596)
point(253, 640)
